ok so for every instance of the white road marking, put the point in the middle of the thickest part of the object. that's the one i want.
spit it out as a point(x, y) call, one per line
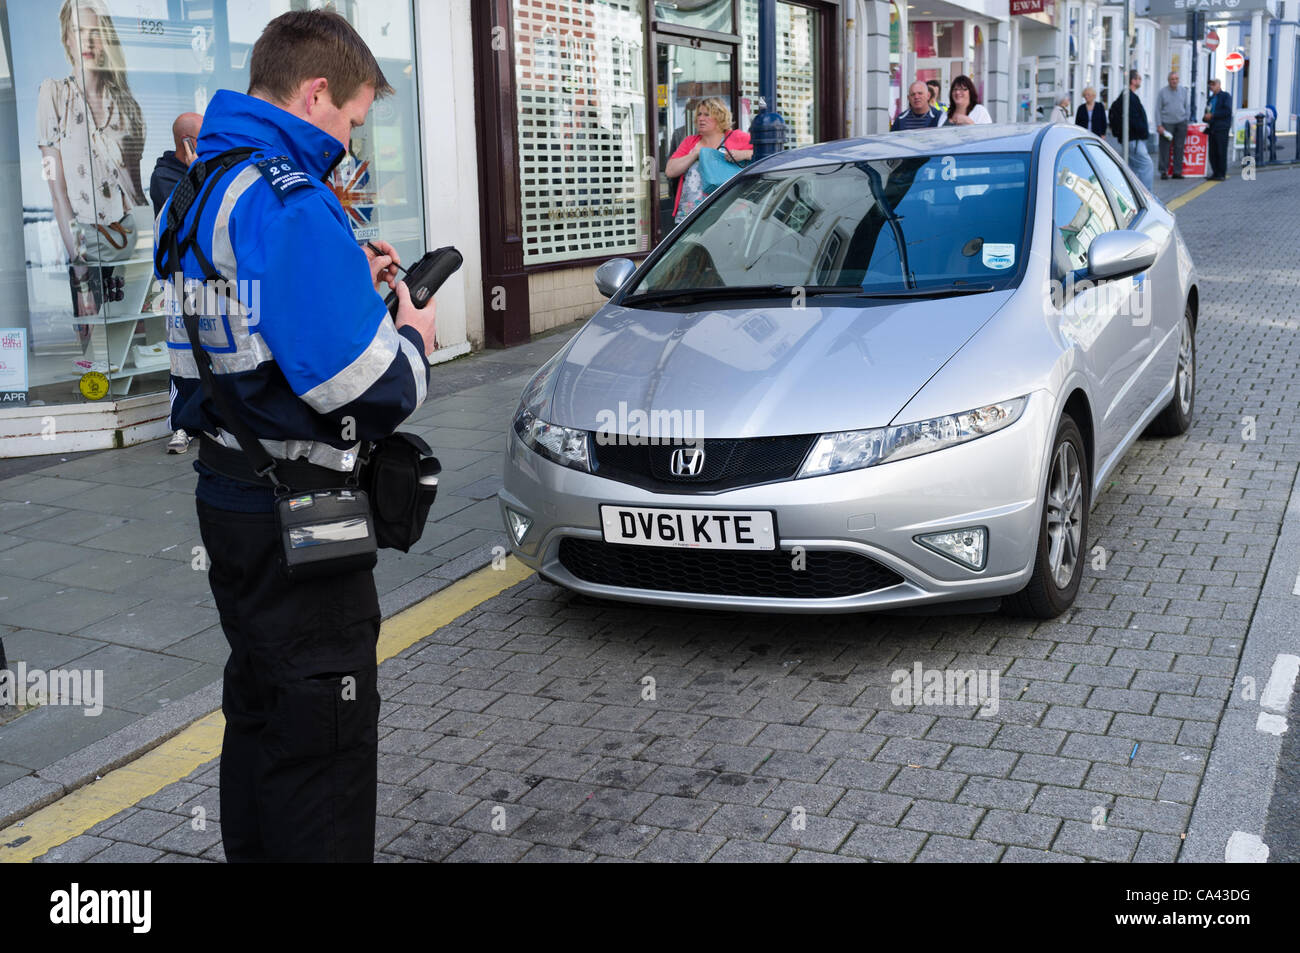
point(1245, 848)
point(1270, 723)
point(1281, 680)
point(1295, 590)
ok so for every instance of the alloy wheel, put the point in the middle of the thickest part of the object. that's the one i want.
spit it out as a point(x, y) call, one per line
point(1186, 368)
point(1064, 515)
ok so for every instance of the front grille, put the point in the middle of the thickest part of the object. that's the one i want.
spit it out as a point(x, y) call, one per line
point(728, 463)
point(826, 574)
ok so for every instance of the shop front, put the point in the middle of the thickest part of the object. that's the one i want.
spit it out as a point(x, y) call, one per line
point(582, 104)
point(89, 93)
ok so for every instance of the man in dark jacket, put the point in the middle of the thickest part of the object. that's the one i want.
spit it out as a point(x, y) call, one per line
point(1139, 157)
point(169, 168)
point(1218, 113)
point(1091, 114)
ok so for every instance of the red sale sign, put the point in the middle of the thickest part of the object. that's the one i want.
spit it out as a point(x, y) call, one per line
point(1195, 151)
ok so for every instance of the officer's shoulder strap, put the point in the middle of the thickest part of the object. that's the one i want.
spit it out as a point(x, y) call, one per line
point(197, 184)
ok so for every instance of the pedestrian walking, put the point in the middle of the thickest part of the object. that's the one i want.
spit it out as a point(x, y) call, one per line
point(1139, 157)
point(1218, 115)
point(1091, 114)
point(712, 131)
point(1171, 119)
point(1061, 111)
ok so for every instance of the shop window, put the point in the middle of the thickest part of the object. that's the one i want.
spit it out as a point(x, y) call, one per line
point(582, 128)
point(78, 161)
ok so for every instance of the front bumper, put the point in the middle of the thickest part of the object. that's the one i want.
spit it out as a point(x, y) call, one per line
point(994, 481)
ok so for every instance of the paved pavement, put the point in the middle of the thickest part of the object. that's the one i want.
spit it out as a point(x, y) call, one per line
point(523, 730)
point(97, 571)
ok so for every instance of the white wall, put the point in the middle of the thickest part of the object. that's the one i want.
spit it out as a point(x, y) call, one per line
point(445, 54)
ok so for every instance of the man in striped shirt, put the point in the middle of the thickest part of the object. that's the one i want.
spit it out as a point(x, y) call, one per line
point(920, 114)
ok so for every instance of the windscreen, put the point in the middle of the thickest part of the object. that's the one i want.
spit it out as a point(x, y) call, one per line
point(881, 225)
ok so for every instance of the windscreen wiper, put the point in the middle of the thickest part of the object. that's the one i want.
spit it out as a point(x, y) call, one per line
point(894, 219)
point(949, 291)
point(686, 295)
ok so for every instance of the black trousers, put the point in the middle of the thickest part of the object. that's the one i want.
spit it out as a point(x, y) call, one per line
point(299, 759)
point(1219, 151)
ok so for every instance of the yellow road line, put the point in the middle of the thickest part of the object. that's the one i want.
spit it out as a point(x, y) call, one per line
point(1190, 194)
point(76, 813)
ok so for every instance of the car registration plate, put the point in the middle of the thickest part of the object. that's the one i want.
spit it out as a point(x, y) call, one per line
point(688, 529)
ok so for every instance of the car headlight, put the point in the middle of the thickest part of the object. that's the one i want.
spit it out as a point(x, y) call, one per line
point(562, 445)
point(855, 449)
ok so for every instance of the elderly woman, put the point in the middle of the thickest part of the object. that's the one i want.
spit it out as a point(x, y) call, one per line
point(964, 105)
point(1091, 114)
point(712, 131)
point(1061, 111)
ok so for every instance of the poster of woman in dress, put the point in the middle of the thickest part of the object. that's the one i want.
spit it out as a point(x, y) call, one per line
point(90, 133)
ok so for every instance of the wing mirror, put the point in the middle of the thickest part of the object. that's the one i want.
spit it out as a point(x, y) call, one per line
point(613, 275)
point(1120, 254)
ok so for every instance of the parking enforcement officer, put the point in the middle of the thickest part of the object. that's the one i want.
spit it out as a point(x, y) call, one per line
point(309, 359)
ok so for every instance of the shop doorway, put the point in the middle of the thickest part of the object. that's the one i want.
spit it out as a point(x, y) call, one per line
point(945, 71)
point(686, 71)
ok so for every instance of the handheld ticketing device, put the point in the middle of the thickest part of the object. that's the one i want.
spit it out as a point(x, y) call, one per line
point(426, 276)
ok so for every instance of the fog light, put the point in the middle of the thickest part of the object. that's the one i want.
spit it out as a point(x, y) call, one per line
point(519, 525)
point(965, 546)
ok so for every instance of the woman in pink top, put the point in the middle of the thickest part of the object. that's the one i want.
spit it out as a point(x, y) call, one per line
point(713, 130)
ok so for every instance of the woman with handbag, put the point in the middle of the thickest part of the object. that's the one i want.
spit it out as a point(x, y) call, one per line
point(91, 141)
point(712, 131)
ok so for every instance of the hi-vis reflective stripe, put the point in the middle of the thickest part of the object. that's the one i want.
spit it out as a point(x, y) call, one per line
point(313, 451)
point(250, 348)
point(355, 379)
point(417, 368)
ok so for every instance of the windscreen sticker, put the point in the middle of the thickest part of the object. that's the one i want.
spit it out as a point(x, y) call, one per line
point(999, 256)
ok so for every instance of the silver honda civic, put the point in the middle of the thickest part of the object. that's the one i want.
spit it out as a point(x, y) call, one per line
point(864, 375)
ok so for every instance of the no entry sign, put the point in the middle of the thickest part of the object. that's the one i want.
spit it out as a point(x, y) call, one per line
point(1233, 62)
point(1211, 41)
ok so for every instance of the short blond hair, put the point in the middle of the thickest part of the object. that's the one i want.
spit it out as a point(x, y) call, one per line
point(719, 110)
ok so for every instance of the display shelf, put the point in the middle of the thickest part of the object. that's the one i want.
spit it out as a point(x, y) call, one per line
point(122, 324)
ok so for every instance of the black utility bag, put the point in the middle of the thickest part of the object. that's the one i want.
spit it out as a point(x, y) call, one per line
point(401, 476)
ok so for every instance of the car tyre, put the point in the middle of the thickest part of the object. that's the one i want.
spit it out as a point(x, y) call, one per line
point(1177, 415)
point(1062, 532)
